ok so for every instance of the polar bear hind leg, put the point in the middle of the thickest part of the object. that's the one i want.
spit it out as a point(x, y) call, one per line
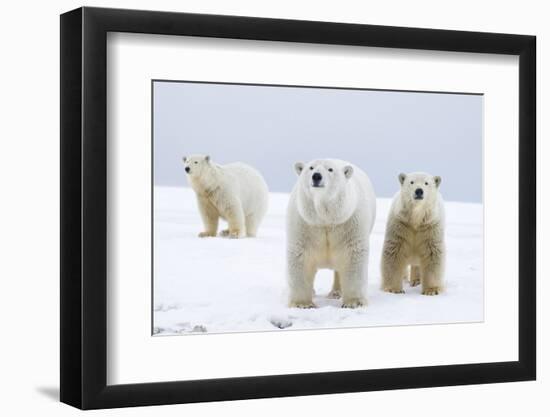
point(336, 291)
point(414, 279)
point(235, 220)
point(252, 222)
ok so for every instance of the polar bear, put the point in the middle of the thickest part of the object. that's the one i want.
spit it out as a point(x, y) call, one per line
point(330, 216)
point(415, 236)
point(235, 192)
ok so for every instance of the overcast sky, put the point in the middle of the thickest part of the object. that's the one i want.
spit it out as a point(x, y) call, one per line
point(270, 128)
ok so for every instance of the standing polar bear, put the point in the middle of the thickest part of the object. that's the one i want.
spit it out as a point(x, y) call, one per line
point(235, 192)
point(415, 236)
point(330, 217)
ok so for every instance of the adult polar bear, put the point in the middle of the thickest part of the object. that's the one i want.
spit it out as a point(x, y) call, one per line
point(330, 217)
point(235, 192)
point(415, 235)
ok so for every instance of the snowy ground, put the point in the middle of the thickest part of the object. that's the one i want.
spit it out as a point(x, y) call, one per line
point(218, 285)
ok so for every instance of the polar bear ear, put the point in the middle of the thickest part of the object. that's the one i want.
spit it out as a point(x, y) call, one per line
point(348, 171)
point(437, 180)
point(299, 167)
point(184, 159)
point(402, 178)
point(207, 158)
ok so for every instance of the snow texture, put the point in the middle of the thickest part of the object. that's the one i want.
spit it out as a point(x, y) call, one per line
point(219, 285)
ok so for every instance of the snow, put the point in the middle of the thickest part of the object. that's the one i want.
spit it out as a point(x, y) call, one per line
point(218, 285)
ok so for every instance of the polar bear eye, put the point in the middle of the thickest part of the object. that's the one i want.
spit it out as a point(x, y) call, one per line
point(330, 170)
point(412, 182)
point(196, 162)
point(425, 183)
point(311, 168)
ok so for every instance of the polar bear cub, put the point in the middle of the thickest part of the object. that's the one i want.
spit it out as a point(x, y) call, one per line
point(234, 192)
point(415, 236)
point(330, 216)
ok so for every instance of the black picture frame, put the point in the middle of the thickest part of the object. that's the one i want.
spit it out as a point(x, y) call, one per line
point(84, 207)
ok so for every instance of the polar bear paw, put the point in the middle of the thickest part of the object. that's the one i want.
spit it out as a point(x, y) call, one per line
point(394, 290)
point(414, 282)
point(302, 304)
point(207, 234)
point(431, 291)
point(235, 234)
point(354, 303)
point(334, 294)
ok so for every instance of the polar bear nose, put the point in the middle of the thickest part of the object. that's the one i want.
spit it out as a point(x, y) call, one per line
point(317, 177)
point(187, 169)
point(419, 192)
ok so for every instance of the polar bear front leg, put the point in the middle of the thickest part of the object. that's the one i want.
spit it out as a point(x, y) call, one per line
point(352, 272)
point(301, 275)
point(392, 274)
point(432, 278)
point(394, 267)
point(353, 279)
point(432, 262)
point(210, 217)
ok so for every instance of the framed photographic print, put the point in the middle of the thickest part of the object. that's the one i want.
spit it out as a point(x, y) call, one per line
point(258, 207)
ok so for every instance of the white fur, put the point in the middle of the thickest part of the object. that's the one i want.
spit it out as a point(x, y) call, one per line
point(234, 192)
point(329, 227)
point(415, 236)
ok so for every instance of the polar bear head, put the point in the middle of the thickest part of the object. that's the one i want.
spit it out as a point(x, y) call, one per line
point(196, 165)
point(419, 189)
point(323, 176)
point(325, 193)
